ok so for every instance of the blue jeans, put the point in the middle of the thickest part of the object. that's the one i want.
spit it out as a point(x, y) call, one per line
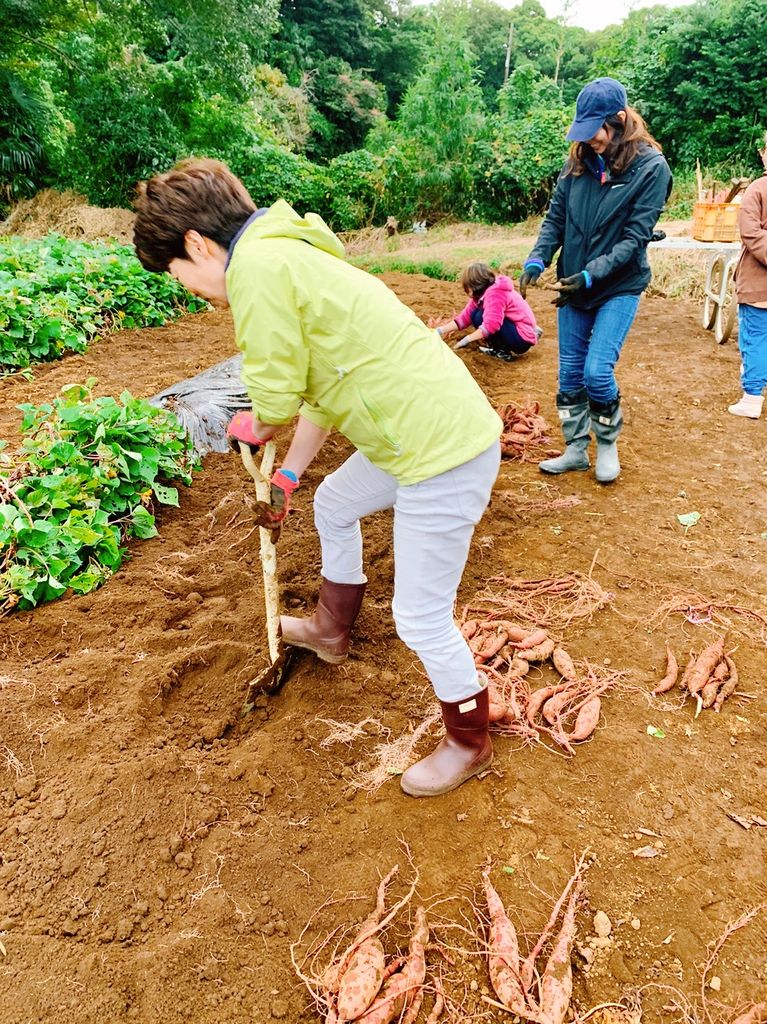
point(590, 342)
point(752, 341)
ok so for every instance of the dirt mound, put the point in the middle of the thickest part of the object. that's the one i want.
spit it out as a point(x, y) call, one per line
point(68, 214)
point(159, 853)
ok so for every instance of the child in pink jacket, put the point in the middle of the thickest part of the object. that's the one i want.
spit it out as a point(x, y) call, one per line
point(505, 323)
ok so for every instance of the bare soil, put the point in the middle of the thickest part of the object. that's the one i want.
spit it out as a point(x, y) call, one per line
point(159, 853)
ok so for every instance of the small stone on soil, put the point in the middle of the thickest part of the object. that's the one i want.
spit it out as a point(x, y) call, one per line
point(602, 924)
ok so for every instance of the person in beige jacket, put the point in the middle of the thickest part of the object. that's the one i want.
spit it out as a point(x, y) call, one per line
point(751, 293)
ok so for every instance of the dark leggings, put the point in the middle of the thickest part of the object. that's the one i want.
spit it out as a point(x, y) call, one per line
point(508, 339)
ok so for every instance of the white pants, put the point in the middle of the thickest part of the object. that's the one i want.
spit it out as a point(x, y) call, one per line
point(433, 525)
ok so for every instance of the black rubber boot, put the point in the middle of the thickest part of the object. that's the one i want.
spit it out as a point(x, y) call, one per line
point(575, 419)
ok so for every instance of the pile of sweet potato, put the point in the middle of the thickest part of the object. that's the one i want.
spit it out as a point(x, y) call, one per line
point(359, 985)
point(525, 433)
point(568, 711)
point(710, 677)
point(543, 998)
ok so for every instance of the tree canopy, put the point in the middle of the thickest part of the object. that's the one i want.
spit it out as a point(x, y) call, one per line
point(359, 107)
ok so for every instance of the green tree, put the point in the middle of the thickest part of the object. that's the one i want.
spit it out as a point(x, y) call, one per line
point(31, 123)
point(519, 160)
point(698, 75)
point(429, 147)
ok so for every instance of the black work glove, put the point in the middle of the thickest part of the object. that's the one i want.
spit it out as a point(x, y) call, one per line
point(529, 276)
point(568, 286)
point(658, 235)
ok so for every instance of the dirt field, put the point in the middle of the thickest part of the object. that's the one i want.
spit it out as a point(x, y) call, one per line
point(159, 854)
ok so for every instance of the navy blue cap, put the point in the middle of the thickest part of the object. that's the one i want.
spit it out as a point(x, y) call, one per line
point(596, 102)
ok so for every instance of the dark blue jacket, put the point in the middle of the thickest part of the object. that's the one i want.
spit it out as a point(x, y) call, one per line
point(604, 228)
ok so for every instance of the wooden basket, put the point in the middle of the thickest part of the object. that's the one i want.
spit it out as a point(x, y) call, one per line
point(715, 222)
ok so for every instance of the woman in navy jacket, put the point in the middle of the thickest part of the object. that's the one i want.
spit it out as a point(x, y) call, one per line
point(605, 206)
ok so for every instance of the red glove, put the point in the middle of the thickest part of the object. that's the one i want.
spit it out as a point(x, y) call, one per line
point(271, 515)
point(241, 429)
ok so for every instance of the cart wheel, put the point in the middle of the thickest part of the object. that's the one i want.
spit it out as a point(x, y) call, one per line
point(728, 307)
point(713, 287)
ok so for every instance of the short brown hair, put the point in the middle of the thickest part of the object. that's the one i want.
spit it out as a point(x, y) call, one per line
point(629, 136)
point(477, 278)
point(195, 195)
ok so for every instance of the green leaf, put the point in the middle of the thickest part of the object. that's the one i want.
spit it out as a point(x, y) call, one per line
point(688, 519)
point(165, 495)
point(655, 732)
point(143, 523)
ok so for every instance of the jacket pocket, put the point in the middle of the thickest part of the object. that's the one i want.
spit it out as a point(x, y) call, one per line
point(380, 427)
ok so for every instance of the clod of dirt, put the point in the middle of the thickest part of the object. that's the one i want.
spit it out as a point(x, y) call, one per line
point(602, 924)
point(25, 787)
point(59, 810)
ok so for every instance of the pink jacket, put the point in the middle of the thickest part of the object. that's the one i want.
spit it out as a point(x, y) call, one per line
point(500, 302)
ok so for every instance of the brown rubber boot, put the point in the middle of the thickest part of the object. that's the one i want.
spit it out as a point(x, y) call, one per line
point(326, 632)
point(466, 750)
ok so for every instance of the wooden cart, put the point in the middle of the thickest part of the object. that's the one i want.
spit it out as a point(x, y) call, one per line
point(719, 305)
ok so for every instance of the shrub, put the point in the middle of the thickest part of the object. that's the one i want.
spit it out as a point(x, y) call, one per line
point(56, 295)
point(84, 481)
point(357, 188)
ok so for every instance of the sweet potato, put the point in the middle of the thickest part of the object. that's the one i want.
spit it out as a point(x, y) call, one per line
point(729, 687)
point(557, 981)
point(708, 693)
point(503, 959)
point(537, 699)
point(516, 632)
point(401, 990)
point(519, 667)
point(468, 629)
point(563, 663)
point(538, 653)
point(353, 981)
point(538, 636)
point(439, 1004)
point(362, 979)
point(586, 720)
point(498, 708)
point(491, 646)
point(668, 682)
point(753, 1015)
point(705, 665)
point(688, 669)
point(554, 705)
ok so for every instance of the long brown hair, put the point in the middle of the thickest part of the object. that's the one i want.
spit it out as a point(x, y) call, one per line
point(629, 136)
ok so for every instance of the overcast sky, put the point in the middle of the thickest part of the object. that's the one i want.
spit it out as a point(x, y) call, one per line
point(592, 14)
point(595, 14)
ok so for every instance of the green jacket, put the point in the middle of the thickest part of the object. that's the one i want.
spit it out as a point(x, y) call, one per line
point(326, 340)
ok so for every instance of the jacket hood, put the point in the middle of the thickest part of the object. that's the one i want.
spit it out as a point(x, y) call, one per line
point(282, 221)
point(503, 284)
